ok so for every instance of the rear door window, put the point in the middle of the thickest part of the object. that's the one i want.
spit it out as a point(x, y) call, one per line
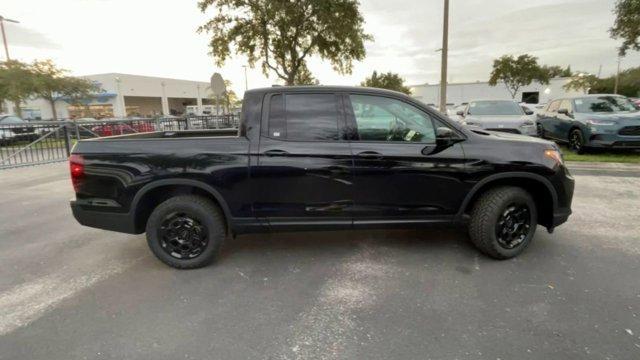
point(565, 105)
point(303, 117)
point(553, 107)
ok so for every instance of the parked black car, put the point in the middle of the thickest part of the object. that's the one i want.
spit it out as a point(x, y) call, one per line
point(320, 158)
point(592, 121)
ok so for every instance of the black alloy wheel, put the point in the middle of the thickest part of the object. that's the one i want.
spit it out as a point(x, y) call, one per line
point(576, 141)
point(513, 226)
point(182, 236)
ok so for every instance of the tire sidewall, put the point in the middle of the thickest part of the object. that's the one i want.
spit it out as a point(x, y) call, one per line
point(211, 221)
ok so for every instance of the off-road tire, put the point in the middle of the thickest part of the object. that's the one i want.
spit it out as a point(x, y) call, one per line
point(485, 215)
point(200, 208)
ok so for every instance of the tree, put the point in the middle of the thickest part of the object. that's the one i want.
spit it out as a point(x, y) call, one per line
point(627, 25)
point(582, 82)
point(390, 81)
point(557, 71)
point(52, 84)
point(283, 34)
point(517, 72)
point(16, 82)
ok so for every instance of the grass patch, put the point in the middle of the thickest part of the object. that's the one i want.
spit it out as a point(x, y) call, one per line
point(602, 156)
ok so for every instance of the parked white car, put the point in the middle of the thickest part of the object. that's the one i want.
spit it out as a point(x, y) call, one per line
point(14, 128)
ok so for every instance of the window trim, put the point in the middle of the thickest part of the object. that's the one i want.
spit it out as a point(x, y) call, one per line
point(340, 118)
point(351, 119)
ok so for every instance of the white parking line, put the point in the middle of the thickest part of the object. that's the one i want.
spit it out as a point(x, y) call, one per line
point(326, 329)
point(27, 302)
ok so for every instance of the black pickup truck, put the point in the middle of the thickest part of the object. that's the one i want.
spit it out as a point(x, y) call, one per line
point(320, 158)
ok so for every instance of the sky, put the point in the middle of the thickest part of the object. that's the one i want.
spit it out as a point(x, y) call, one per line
point(158, 38)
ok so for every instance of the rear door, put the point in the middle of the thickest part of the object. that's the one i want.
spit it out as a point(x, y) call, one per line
point(303, 175)
point(399, 176)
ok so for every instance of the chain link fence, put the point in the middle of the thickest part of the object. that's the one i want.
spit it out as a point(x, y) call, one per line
point(34, 143)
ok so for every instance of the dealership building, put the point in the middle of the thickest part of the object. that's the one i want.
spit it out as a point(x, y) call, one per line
point(127, 95)
point(459, 93)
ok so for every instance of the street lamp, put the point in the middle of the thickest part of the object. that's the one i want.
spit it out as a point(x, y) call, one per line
point(4, 36)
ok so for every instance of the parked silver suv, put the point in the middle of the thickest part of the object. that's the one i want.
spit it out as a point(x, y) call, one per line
point(499, 115)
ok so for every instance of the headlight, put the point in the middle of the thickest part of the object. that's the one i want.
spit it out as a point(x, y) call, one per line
point(554, 155)
point(601, 122)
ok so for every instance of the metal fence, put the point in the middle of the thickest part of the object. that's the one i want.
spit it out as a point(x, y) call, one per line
point(33, 143)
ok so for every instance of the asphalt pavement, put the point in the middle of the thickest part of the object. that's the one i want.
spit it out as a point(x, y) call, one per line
point(70, 292)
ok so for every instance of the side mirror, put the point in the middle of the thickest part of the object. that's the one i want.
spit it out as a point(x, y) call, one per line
point(563, 111)
point(460, 113)
point(445, 137)
point(528, 112)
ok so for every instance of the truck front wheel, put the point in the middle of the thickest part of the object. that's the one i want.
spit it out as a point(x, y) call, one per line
point(503, 222)
point(186, 231)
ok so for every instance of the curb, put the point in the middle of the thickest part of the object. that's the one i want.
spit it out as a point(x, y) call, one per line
point(602, 168)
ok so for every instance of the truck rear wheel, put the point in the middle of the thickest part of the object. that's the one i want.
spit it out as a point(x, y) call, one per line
point(503, 222)
point(186, 231)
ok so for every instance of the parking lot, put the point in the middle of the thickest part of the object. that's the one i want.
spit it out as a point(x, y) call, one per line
point(67, 291)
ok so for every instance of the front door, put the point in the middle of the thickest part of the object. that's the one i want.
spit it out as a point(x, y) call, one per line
point(548, 119)
point(564, 120)
point(399, 175)
point(303, 175)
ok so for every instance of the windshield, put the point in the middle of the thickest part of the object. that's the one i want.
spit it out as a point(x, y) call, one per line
point(604, 104)
point(10, 120)
point(494, 108)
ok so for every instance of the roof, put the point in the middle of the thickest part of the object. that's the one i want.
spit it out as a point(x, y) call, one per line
point(588, 96)
point(139, 76)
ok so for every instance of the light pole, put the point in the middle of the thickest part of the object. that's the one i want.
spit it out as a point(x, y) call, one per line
point(615, 87)
point(4, 36)
point(445, 53)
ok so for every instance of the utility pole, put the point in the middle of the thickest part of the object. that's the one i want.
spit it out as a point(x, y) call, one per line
point(615, 87)
point(445, 53)
point(246, 83)
point(4, 36)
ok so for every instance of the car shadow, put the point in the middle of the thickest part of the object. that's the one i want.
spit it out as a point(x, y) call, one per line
point(321, 242)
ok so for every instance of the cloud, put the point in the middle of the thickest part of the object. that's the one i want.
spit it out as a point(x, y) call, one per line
point(20, 35)
point(559, 33)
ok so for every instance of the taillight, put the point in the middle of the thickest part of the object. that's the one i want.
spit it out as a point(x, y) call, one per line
point(76, 166)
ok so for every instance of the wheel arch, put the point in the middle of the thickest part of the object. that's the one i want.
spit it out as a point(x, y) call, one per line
point(152, 194)
point(543, 193)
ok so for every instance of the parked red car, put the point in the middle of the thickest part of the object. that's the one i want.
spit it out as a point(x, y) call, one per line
point(122, 128)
